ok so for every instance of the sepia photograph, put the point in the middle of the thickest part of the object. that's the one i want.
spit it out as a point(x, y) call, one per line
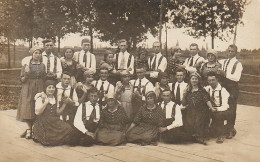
point(129, 80)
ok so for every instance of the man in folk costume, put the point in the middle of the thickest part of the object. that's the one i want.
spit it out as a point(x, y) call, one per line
point(123, 60)
point(87, 117)
point(232, 70)
point(141, 86)
point(219, 100)
point(103, 86)
point(172, 131)
point(194, 61)
point(85, 59)
point(156, 63)
point(52, 63)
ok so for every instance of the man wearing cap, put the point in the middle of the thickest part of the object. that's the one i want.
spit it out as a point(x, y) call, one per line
point(124, 60)
point(157, 63)
point(232, 70)
point(194, 61)
point(85, 59)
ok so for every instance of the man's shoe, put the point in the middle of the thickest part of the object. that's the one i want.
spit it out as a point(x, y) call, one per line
point(234, 132)
point(220, 140)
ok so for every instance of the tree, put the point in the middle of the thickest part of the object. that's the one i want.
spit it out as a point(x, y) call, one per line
point(131, 20)
point(214, 18)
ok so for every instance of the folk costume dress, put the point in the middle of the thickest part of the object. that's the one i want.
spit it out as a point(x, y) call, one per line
point(112, 127)
point(48, 129)
point(32, 86)
point(147, 126)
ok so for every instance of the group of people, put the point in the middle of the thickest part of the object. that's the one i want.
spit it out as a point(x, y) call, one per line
point(139, 98)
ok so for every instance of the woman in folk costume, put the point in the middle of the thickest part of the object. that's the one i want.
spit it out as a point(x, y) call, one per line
point(69, 65)
point(145, 128)
point(124, 93)
point(211, 65)
point(48, 129)
point(113, 123)
point(197, 102)
point(32, 78)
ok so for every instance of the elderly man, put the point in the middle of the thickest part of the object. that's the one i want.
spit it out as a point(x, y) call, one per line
point(157, 63)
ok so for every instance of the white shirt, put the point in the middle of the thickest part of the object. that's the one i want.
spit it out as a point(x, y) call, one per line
point(238, 71)
point(66, 94)
point(196, 59)
point(108, 87)
point(45, 61)
point(39, 102)
point(183, 85)
point(162, 66)
point(178, 116)
point(26, 61)
point(126, 55)
point(91, 59)
point(144, 81)
point(78, 123)
point(224, 97)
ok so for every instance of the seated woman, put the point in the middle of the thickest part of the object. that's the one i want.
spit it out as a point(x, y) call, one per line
point(48, 129)
point(211, 65)
point(83, 88)
point(145, 128)
point(197, 102)
point(124, 93)
point(172, 130)
point(162, 85)
point(69, 65)
point(112, 124)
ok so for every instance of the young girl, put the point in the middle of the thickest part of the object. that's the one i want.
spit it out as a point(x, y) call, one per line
point(69, 65)
point(32, 76)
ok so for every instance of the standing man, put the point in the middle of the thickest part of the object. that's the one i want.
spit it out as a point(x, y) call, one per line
point(157, 63)
point(51, 62)
point(232, 70)
point(85, 59)
point(194, 61)
point(124, 60)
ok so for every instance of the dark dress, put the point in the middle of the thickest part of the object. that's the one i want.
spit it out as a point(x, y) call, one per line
point(49, 130)
point(147, 125)
point(196, 119)
point(32, 86)
point(112, 127)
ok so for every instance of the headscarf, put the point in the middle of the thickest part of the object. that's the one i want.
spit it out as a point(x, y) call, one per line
point(33, 49)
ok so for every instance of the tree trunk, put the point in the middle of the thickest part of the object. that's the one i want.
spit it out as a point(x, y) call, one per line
point(212, 40)
point(59, 54)
point(134, 44)
point(166, 42)
point(160, 27)
point(14, 54)
point(91, 38)
point(9, 55)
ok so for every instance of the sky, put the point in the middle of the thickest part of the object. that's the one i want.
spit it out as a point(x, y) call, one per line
point(248, 35)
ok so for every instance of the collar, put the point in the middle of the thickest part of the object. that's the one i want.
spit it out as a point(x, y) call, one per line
point(180, 82)
point(89, 103)
point(158, 54)
point(218, 88)
point(45, 54)
point(124, 52)
point(103, 81)
point(233, 58)
point(195, 56)
point(82, 51)
point(59, 86)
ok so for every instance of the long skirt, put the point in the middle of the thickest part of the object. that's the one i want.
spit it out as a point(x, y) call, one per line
point(110, 135)
point(143, 133)
point(26, 108)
